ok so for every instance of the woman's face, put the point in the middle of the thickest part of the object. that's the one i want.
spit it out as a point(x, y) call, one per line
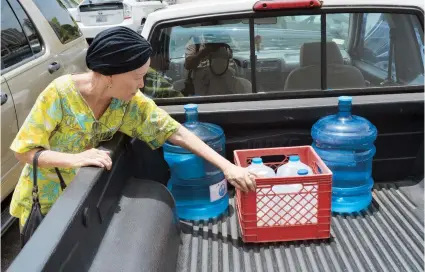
point(126, 85)
point(219, 61)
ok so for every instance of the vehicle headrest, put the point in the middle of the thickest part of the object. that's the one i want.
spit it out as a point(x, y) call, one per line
point(310, 54)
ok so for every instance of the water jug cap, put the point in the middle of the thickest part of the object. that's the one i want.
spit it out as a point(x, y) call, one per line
point(257, 160)
point(302, 172)
point(345, 99)
point(344, 106)
point(191, 113)
point(190, 107)
point(294, 158)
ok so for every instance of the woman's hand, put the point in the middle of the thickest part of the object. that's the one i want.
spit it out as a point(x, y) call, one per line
point(92, 157)
point(240, 178)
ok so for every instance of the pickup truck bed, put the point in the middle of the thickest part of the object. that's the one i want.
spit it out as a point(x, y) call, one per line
point(123, 221)
point(387, 237)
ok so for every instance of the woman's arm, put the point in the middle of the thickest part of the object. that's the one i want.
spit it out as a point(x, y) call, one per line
point(239, 177)
point(149, 123)
point(194, 57)
point(192, 61)
point(48, 158)
point(44, 117)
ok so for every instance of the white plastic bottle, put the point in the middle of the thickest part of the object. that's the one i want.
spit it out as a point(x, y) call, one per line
point(291, 168)
point(260, 169)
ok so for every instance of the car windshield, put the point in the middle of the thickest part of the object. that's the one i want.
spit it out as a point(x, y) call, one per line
point(288, 32)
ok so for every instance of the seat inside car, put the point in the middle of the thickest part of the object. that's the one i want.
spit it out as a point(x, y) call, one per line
point(339, 75)
point(218, 78)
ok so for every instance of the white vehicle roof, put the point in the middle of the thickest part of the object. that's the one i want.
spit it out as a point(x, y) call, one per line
point(199, 8)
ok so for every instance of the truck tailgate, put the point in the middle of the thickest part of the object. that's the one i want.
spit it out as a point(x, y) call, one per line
point(389, 236)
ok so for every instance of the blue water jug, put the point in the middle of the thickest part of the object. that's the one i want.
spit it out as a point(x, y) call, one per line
point(199, 188)
point(345, 143)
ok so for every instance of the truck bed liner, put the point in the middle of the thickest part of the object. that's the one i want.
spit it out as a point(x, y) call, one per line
point(389, 236)
point(142, 218)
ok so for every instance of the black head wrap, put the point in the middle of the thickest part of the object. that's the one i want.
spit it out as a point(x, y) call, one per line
point(117, 50)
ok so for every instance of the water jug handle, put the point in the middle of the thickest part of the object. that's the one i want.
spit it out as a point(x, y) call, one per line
point(287, 188)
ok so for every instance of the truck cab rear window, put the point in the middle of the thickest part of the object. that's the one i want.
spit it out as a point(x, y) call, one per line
point(363, 50)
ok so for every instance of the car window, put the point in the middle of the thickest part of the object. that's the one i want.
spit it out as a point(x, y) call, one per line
point(28, 26)
point(289, 51)
point(60, 20)
point(388, 44)
point(14, 44)
point(420, 37)
point(200, 60)
point(277, 48)
point(377, 42)
point(214, 57)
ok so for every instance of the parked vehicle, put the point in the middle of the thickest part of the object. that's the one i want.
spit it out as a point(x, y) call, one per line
point(125, 220)
point(93, 16)
point(39, 42)
point(72, 7)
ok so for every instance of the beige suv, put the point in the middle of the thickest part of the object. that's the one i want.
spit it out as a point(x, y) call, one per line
point(39, 42)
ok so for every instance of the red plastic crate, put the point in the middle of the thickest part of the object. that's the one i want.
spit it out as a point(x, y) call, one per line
point(267, 215)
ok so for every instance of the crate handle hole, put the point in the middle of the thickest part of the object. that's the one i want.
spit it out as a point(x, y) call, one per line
point(270, 159)
point(287, 188)
point(319, 171)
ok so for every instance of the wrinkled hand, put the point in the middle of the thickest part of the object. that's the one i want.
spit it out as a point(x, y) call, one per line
point(92, 157)
point(240, 178)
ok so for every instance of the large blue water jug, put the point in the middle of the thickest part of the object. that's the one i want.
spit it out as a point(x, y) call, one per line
point(345, 142)
point(199, 188)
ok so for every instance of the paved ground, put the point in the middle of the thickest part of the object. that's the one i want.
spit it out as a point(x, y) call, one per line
point(9, 246)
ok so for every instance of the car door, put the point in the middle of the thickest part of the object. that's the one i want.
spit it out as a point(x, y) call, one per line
point(68, 40)
point(9, 128)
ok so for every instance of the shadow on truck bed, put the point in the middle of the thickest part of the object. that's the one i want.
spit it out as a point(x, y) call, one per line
point(122, 221)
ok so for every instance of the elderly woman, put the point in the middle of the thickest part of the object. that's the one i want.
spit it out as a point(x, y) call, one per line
point(76, 112)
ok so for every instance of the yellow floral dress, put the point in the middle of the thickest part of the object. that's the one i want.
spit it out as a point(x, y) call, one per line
point(62, 121)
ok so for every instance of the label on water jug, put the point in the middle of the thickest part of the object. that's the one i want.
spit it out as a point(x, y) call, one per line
point(218, 190)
